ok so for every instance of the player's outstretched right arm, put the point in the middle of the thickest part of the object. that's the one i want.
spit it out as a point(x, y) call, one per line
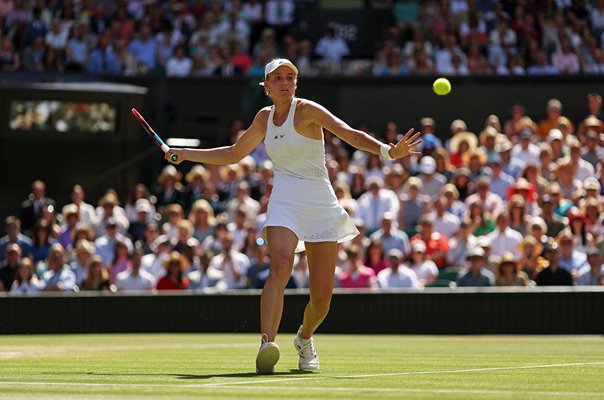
point(224, 155)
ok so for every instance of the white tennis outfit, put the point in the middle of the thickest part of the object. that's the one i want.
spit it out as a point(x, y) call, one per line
point(302, 198)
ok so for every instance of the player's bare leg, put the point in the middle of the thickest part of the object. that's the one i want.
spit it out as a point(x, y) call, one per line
point(321, 265)
point(281, 244)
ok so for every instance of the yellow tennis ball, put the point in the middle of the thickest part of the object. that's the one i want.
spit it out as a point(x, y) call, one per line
point(441, 86)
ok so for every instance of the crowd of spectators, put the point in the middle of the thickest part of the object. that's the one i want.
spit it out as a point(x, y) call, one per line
point(236, 37)
point(519, 204)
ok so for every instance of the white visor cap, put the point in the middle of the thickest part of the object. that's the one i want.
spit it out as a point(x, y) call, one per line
point(276, 63)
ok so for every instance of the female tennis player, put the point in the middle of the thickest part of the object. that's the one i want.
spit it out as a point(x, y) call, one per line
point(303, 212)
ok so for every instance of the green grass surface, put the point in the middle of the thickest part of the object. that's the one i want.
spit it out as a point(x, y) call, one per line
point(352, 367)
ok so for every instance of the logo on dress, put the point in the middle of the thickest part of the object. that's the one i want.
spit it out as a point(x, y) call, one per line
point(279, 136)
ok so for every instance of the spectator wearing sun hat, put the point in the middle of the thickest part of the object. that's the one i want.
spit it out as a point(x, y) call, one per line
point(461, 143)
point(175, 278)
point(590, 122)
point(476, 274)
point(509, 273)
point(456, 127)
point(196, 179)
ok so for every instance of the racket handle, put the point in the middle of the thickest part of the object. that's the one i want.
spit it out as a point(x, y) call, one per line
point(166, 149)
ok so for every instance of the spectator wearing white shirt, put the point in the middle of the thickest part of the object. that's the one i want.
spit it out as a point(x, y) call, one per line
point(444, 56)
point(374, 203)
point(526, 151)
point(179, 65)
point(583, 169)
point(58, 277)
point(279, 15)
point(56, 38)
point(254, 12)
point(87, 212)
point(231, 262)
point(25, 279)
point(135, 278)
point(432, 181)
point(398, 275)
point(425, 270)
point(332, 48)
point(492, 202)
point(504, 239)
point(445, 222)
point(154, 262)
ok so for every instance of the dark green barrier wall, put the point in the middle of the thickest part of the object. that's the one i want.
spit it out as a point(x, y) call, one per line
point(436, 311)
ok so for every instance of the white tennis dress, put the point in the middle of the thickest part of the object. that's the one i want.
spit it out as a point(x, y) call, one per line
point(302, 198)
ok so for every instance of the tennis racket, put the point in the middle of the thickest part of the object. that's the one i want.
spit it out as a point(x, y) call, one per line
point(160, 143)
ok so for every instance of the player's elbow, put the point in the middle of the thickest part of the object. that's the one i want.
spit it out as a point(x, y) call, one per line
point(233, 155)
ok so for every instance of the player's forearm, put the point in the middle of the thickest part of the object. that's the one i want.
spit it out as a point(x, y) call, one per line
point(218, 155)
point(363, 141)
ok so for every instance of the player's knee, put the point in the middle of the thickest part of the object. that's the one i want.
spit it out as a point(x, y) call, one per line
point(281, 268)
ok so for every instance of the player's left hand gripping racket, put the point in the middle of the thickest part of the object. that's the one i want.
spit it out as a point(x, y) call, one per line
point(160, 143)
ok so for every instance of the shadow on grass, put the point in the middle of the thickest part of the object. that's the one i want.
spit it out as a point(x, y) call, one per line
point(243, 375)
point(200, 376)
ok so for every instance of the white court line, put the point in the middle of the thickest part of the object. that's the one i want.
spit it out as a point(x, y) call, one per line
point(454, 371)
point(226, 385)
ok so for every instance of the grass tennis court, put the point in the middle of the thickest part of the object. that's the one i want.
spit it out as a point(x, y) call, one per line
point(195, 366)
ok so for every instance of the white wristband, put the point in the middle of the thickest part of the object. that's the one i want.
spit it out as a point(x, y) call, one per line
point(385, 151)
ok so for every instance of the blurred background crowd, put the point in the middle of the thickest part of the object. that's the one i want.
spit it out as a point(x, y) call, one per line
point(237, 38)
point(518, 203)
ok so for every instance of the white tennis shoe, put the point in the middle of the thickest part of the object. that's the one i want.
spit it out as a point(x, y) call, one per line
point(267, 357)
point(308, 360)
